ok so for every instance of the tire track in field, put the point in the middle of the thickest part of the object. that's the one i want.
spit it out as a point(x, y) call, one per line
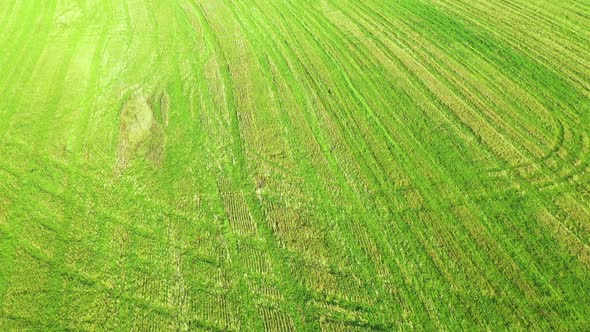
point(519, 166)
point(269, 315)
point(253, 205)
point(237, 174)
point(469, 105)
point(557, 18)
point(182, 295)
point(569, 118)
point(324, 149)
point(531, 35)
point(262, 62)
point(548, 154)
point(523, 44)
point(188, 311)
point(213, 169)
point(581, 188)
point(320, 46)
point(370, 151)
point(100, 214)
point(527, 21)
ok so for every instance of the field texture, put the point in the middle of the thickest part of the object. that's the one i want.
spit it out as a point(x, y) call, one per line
point(294, 165)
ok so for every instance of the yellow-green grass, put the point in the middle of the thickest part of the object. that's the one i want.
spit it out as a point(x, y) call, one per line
point(294, 165)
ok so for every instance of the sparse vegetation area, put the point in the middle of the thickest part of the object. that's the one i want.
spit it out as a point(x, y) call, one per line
point(294, 165)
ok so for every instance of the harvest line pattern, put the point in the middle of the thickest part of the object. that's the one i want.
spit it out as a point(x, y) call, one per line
point(294, 165)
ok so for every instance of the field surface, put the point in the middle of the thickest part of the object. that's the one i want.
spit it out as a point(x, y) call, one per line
point(294, 165)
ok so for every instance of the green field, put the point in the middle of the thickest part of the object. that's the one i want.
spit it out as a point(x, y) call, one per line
point(294, 165)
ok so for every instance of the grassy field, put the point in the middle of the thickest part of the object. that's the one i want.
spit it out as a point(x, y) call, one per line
point(294, 165)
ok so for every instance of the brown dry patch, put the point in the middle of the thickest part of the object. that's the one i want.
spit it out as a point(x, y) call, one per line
point(143, 120)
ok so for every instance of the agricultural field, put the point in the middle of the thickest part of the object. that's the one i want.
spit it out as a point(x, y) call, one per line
point(294, 165)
